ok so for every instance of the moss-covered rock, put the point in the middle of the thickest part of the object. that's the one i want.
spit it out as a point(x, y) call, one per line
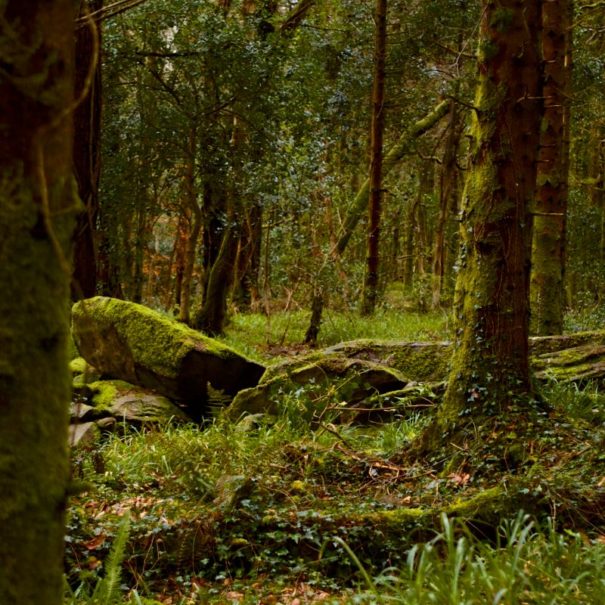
point(132, 404)
point(83, 434)
point(77, 366)
point(577, 364)
point(128, 341)
point(571, 357)
point(82, 373)
point(540, 345)
point(357, 373)
point(418, 361)
point(316, 382)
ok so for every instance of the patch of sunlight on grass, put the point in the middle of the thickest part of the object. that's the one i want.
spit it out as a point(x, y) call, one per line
point(257, 335)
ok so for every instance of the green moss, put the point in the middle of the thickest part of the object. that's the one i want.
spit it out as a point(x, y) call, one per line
point(105, 392)
point(78, 366)
point(398, 517)
point(418, 361)
point(493, 498)
point(156, 340)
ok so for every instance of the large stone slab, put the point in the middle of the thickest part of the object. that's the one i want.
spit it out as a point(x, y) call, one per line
point(578, 357)
point(315, 383)
point(418, 361)
point(131, 342)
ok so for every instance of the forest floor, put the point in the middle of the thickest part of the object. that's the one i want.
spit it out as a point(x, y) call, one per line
point(276, 512)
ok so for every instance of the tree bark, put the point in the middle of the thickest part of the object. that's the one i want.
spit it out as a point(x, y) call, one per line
point(490, 368)
point(370, 291)
point(195, 216)
point(87, 157)
point(37, 216)
point(447, 200)
point(550, 214)
point(211, 318)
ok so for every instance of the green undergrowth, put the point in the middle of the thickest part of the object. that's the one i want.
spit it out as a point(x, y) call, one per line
point(585, 316)
point(268, 510)
point(263, 336)
point(521, 566)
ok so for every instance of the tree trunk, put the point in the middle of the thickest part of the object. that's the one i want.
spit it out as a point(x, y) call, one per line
point(410, 232)
point(447, 193)
point(423, 237)
point(180, 246)
point(109, 274)
point(195, 214)
point(211, 318)
point(213, 228)
point(87, 158)
point(138, 260)
point(490, 368)
point(380, 46)
point(37, 216)
point(550, 213)
point(245, 291)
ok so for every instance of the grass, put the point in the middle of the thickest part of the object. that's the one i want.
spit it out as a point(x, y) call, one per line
point(586, 402)
point(524, 566)
point(261, 336)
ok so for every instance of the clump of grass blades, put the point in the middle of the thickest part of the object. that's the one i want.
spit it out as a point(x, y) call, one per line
point(586, 401)
point(524, 567)
point(187, 460)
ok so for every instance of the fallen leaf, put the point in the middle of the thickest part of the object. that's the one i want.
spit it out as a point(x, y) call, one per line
point(459, 478)
point(95, 542)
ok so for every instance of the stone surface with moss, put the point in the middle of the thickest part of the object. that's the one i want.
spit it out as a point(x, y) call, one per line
point(570, 357)
point(134, 343)
point(316, 382)
point(418, 361)
point(132, 404)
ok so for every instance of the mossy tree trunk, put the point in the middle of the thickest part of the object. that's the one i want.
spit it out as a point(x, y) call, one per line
point(212, 316)
point(214, 212)
point(87, 157)
point(370, 291)
point(490, 367)
point(37, 215)
point(550, 212)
